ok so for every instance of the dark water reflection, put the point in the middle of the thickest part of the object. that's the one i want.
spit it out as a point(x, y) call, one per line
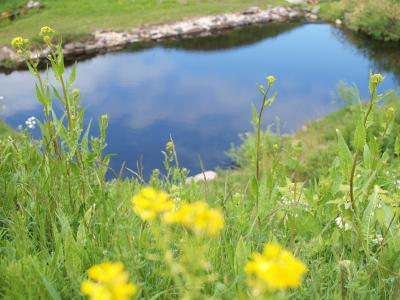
point(200, 91)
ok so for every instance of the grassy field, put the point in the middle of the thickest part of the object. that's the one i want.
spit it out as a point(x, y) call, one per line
point(328, 195)
point(78, 18)
point(4, 129)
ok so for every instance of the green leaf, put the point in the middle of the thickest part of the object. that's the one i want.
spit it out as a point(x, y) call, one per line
point(254, 187)
point(345, 156)
point(52, 291)
point(367, 156)
point(241, 256)
point(72, 255)
point(369, 219)
point(360, 136)
point(39, 94)
point(271, 100)
point(397, 146)
point(261, 89)
point(72, 77)
point(254, 114)
point(374, 146)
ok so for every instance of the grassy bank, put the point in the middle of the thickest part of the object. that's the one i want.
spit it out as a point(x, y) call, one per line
point(4, 129)
point(379, 19)
point(76, 19)
point(330, 197)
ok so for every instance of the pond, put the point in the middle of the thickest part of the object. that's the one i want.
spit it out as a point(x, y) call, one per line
point(199, 91)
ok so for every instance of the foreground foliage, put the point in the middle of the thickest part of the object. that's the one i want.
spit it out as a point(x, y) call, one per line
point(337, 222)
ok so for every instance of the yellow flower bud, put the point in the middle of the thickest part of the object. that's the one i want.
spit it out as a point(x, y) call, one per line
point(271, 79)
point(75, 92)
point(20, 43)
point(46, 31)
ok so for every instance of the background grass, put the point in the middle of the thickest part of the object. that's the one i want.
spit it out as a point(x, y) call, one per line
point(78, 18)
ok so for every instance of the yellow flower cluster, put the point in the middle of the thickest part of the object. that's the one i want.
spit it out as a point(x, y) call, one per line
point(19, 43)
point(375, 80)
point(47, 33)
point(150, 204)
point(198, 217)
point(271, 79)
point(275, 269)
point(108, 281)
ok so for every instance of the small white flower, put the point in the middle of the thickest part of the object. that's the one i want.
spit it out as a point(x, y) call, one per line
point(378, 239)
point(342, 224)
point(339, 222)
point(358, 175)
point(19, 127)
point(31, 122)
point(347, 205)
point(347, 226)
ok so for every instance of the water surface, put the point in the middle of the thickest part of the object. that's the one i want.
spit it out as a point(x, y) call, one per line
point(200, 91)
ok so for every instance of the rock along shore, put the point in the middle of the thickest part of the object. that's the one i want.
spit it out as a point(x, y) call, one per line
point(106, 41)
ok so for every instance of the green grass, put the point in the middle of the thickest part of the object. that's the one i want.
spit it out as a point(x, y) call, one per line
point(79, 18)
point(4, 129)
point(59, 215)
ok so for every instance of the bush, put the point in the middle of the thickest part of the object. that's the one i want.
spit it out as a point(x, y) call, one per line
point(380, 19)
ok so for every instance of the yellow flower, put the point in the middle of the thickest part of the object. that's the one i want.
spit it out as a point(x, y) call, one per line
point(108, 281)
point(198, 217)
point(46, 31)
point(274, 269)
point(375, 80)
point(20, 43)
point(47, 34)
point(271, 79)
point(149, 204)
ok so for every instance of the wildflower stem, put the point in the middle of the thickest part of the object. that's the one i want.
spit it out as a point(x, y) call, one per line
point(259, 134)
point(357, 154)
point(67, 104)
point(258, 144)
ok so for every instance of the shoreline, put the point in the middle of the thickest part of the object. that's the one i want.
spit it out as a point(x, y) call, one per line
point(104, 41)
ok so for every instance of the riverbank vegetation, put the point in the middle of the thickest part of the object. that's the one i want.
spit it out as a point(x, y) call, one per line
point(312, 216)
point(78, 19)
point(379, 19)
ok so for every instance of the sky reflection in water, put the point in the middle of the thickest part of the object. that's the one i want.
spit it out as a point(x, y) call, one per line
point(200, 91)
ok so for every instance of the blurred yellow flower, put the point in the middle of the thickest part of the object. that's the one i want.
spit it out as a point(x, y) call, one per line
point(149, 203)
point(47, 33)
point(20, 43)
point(271, 79)
point(198, 217)
point(374, 81)
point(274, 269)
point(377, 78)
point(108, 281)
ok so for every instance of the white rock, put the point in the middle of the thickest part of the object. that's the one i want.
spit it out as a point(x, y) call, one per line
point(33, 4)
point(338, 22)
point(204, 176)
point(252, 10)
point(296, 1)
point(315, 9)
